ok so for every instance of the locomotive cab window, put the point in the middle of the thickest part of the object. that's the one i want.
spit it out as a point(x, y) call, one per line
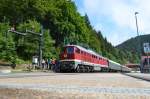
point(70, 50)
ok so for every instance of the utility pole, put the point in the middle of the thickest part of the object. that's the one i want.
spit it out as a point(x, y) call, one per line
point(40, 46)
point(40, 43)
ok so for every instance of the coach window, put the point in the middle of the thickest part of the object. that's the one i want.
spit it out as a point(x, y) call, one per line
point(85, 53)
point(70, 50)
point(81, 52)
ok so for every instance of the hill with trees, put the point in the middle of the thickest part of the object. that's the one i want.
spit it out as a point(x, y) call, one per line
point(135, 45)
point(62, 24)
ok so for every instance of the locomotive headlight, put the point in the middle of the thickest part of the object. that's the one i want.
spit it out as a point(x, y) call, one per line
point(71, 63)
point(65, 55)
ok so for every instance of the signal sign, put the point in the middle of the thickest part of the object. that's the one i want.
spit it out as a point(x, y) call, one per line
point(146, 47)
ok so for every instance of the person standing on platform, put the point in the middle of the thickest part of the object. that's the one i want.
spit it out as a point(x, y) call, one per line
point(53, 64)
point(43, 63)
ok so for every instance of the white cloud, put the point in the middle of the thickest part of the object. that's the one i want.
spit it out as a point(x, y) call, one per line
point(121, 14)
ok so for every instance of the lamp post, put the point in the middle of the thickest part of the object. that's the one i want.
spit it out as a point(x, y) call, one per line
point(138, 38)
point(136, 23)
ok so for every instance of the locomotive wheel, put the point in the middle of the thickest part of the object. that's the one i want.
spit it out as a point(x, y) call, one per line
point(88, 69)
point(78, 70)
point(91, 69)
point(83, 69)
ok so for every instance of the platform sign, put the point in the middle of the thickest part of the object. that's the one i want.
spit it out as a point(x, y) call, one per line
point(35, 59)
point(146, 47)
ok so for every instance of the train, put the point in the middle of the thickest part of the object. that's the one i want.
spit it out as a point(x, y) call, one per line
point(75, 58)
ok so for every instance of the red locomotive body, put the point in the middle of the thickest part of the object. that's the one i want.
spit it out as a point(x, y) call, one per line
point(79, 59)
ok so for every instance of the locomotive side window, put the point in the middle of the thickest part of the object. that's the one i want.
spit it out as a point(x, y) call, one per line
point(81, 52)
point(96, 57)
point(85, 53)
point(70, 50)
point(77, 50)
point(92, 56)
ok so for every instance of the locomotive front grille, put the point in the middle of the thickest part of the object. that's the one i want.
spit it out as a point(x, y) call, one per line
point(67, 65)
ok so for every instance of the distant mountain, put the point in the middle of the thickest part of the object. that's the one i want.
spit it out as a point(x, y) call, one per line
point(134, 44)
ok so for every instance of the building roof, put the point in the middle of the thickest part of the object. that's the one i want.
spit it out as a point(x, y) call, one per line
point(131, 65)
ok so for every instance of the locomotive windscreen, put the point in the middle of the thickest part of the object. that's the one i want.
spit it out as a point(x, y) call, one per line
point(70, 50)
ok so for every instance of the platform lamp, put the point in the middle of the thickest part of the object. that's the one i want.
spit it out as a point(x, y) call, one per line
point(138, 37)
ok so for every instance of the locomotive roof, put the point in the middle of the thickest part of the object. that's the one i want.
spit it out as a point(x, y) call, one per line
point(87, 50)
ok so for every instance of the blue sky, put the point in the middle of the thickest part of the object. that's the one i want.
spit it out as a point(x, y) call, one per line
point(115, 18)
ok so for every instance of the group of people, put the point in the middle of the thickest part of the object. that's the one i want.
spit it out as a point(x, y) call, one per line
point(46, 63)
point(50, 64)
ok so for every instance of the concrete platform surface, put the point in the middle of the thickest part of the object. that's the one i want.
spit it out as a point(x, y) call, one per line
point(116, 85)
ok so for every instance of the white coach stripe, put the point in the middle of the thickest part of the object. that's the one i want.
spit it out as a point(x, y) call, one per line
point(87, 63)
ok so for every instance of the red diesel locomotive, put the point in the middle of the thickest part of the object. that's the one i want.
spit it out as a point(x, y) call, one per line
point(79, 59)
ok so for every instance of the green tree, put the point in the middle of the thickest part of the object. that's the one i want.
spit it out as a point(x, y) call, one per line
point(7, 45)
point(48, 48)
